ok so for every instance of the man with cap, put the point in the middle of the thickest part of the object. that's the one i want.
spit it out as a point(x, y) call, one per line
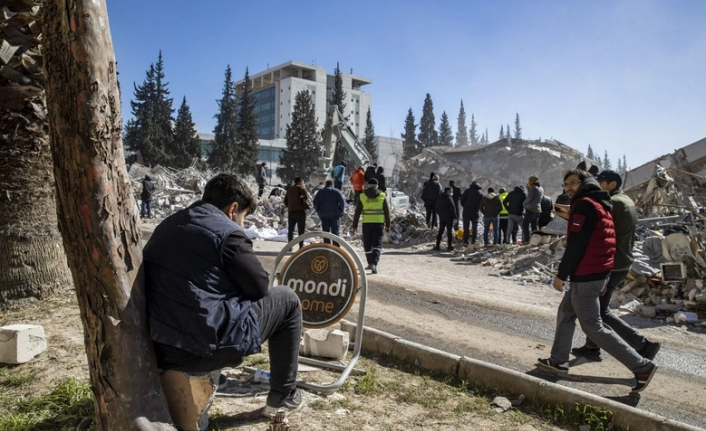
point(330, 206)
point(376, 221)
point(338, 172)
point(625, 219)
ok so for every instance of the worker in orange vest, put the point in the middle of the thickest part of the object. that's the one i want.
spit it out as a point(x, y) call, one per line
point(358, 182)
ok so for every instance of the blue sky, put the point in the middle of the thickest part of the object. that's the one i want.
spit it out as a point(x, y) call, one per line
point(626, 76)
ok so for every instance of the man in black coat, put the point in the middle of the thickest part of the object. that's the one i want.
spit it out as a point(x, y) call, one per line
point(456, 195)
point(470, 200)
point(515, 209)
point(431, 192)
point(547, 207)
point(380, 176)
point(446, 210)
point(146, 197)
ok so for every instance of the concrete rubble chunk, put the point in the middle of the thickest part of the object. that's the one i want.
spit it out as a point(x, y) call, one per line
point(325, 343)
point(21, 343)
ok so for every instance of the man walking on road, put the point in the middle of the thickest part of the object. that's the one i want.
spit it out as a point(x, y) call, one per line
point(625, 219)
point(297, 202)
point(491, 206)
point(446, 210)
point(261, 179)
point(376, 221)
point(515, 209)
point(338, 172)
point(588, 260)
point(330, 205)
point(470, 201)
point(533, 208)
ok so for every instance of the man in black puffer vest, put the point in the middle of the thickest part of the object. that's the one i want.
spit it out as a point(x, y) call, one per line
point(208, 301)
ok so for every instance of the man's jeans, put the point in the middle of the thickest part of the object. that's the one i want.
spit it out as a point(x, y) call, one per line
point(431, 214)
point(581, 301)
point(372, 241)
point(298, 219)
point(530, 219)
point(338, 184)
point(624, 331)
point(280, 321)
point(514, 222)
point(468, 224)
point(146, 210)
point(445, 226)
point(333, 225)
point(491, 221)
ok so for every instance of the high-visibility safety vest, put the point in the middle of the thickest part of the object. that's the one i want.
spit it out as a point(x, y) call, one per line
point(502, 198)
point(373, 211)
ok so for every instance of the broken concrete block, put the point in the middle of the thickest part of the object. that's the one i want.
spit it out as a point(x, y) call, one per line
point(535, 240)
point(21, 343)
point(325, 343)
point(649, 312)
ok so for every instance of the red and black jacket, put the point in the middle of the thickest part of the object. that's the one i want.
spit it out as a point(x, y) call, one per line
point(590, 241)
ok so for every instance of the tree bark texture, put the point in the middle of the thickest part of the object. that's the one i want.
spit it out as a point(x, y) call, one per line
point(98, 214)
point(32, 258)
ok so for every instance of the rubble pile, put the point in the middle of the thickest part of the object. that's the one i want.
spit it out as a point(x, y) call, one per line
point(174, 189)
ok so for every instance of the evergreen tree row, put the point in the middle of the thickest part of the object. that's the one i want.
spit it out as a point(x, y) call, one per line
point(161, 139)
point(153, 132)
point(605, 162)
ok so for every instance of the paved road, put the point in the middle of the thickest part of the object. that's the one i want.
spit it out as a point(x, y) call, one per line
point(464, 309)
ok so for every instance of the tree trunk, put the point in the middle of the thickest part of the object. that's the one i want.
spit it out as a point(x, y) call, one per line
point(32, 258)
point(98, 214)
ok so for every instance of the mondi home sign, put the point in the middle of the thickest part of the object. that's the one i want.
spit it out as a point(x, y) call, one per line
point(326, 281)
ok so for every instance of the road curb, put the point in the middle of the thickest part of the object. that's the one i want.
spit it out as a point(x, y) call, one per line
point(507, 381)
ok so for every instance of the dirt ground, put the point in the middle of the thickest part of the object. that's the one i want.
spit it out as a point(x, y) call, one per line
point(386, 398)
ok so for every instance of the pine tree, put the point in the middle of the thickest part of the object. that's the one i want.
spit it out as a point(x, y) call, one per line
point(187, 146)
point(246, 137)
point(163, 137)
point(462, 132)
point(507, 132)
point(619, 167)
point(606, 161)
point(502, 132)
point(486, 140)
point(224, 154)
point(427, 125)
point(139, 135)
point(518, 129)
point(410, 146)
point(446, 135)
point(338, 98)
point(369, 138)
point(625, 164)
point(590, 154)
point(474, 134)
point(303, 140)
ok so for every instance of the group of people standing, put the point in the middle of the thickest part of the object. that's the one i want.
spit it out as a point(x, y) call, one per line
point(502, 213)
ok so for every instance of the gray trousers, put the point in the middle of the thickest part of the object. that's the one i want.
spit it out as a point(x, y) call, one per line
point(624, 331)
point(513, 220)
point(582, 302)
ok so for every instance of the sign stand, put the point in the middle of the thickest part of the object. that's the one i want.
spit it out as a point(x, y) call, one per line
point(352, 257)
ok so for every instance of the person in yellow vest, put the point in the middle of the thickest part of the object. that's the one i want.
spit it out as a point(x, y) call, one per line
point(504, 239)
point(376, 221)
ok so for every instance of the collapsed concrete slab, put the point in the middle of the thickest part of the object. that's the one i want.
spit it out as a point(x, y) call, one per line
point(505, 163)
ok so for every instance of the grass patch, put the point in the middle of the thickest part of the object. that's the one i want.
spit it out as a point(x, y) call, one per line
point(369, 384)
point(9, 379)
point(62, 408)
point(599, 419)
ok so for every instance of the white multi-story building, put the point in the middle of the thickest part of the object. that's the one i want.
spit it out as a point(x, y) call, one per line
point(277, 87)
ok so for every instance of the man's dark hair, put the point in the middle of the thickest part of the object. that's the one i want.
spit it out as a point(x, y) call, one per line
point(298, 180)
point(447, 189)
point(224, 189)
point(329, 183)
point(491, 190)
point(579, 172)
point(264, 163)
point(451, 183)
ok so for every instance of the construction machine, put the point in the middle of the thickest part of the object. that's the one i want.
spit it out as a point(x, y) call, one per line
point(336, 132)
